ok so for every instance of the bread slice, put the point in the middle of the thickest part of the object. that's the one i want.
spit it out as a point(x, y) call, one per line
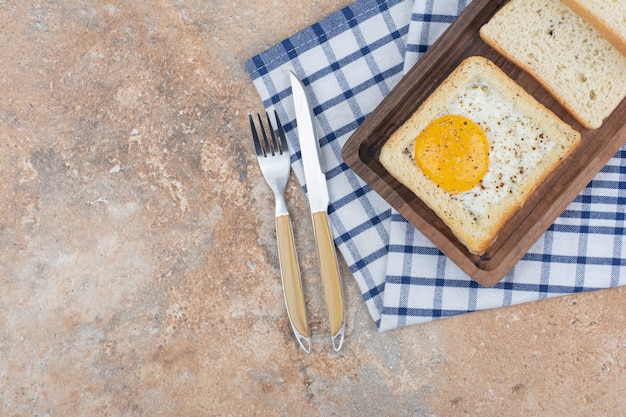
point(526, 142)
point(564, 53)
point(608, 17)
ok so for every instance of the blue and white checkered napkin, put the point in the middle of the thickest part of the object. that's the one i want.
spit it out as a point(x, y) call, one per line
point(349, 61)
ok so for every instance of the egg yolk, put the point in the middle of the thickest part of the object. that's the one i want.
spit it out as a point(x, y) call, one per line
point(453, 151)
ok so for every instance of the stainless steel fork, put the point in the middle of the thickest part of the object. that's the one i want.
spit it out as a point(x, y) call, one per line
point(275, 162)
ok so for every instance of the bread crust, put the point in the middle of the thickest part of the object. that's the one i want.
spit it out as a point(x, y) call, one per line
point(600, 19)
point(473, 221)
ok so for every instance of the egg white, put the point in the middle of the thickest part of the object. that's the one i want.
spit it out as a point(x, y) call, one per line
point(516, 144)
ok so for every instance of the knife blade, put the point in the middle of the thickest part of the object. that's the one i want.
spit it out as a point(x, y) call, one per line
point(317, 193)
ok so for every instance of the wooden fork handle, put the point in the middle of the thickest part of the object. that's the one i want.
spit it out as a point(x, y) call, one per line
point(292, 283)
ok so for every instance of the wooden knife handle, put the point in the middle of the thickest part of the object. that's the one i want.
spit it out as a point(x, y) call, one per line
point(331, 281)
point(292, 283)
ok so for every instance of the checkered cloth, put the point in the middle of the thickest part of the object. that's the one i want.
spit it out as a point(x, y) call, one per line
point(348, 62)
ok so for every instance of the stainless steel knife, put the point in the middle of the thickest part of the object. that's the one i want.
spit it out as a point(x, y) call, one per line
point(317, 192)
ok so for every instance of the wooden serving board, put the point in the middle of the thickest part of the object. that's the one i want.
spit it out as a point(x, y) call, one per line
point(549, 199)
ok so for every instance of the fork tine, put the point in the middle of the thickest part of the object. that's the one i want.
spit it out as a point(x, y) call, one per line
point(284, 147)
point(274, 143)
point(266, 144)
point(255, 138)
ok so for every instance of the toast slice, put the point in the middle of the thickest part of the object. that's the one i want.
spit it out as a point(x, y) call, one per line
point(608, 17)
point(564, 53)
point(526, 142)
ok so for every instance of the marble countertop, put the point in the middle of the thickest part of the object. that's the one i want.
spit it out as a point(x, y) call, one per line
point(139, 266)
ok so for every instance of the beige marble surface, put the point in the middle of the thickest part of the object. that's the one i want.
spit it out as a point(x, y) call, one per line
point(138, 263)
